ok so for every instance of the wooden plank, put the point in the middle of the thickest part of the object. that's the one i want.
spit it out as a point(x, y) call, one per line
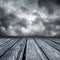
point(54, 45)
point(52, 53)
point(2, 41)
point(16, 52)
point(55, 40)
point(33, 52)
point(7, 46)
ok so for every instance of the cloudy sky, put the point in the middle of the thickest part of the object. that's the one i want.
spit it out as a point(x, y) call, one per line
point(29, 17)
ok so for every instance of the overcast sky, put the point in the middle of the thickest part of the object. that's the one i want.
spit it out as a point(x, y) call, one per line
point(29, 17)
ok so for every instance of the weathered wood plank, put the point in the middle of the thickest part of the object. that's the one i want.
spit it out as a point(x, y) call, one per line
point(55, 40)
point(54, 45)
point(16, 52)
point(7, 46)
point(33, 52)
point(2, 41)
point(52, 53)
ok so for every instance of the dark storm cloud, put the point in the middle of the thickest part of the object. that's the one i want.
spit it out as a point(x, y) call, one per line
point(57, 2)
point(50, 5)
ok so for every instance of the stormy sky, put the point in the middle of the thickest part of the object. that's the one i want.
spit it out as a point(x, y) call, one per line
point(29, 17)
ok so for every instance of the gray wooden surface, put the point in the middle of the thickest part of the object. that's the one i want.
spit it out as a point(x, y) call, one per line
point(29, 48)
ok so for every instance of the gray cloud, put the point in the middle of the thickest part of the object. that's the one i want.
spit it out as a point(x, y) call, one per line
point(29, 17)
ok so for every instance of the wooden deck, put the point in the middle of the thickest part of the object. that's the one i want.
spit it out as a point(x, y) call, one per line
point(29, 48)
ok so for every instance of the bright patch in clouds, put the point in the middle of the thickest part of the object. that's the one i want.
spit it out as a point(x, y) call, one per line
point(29, 17)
